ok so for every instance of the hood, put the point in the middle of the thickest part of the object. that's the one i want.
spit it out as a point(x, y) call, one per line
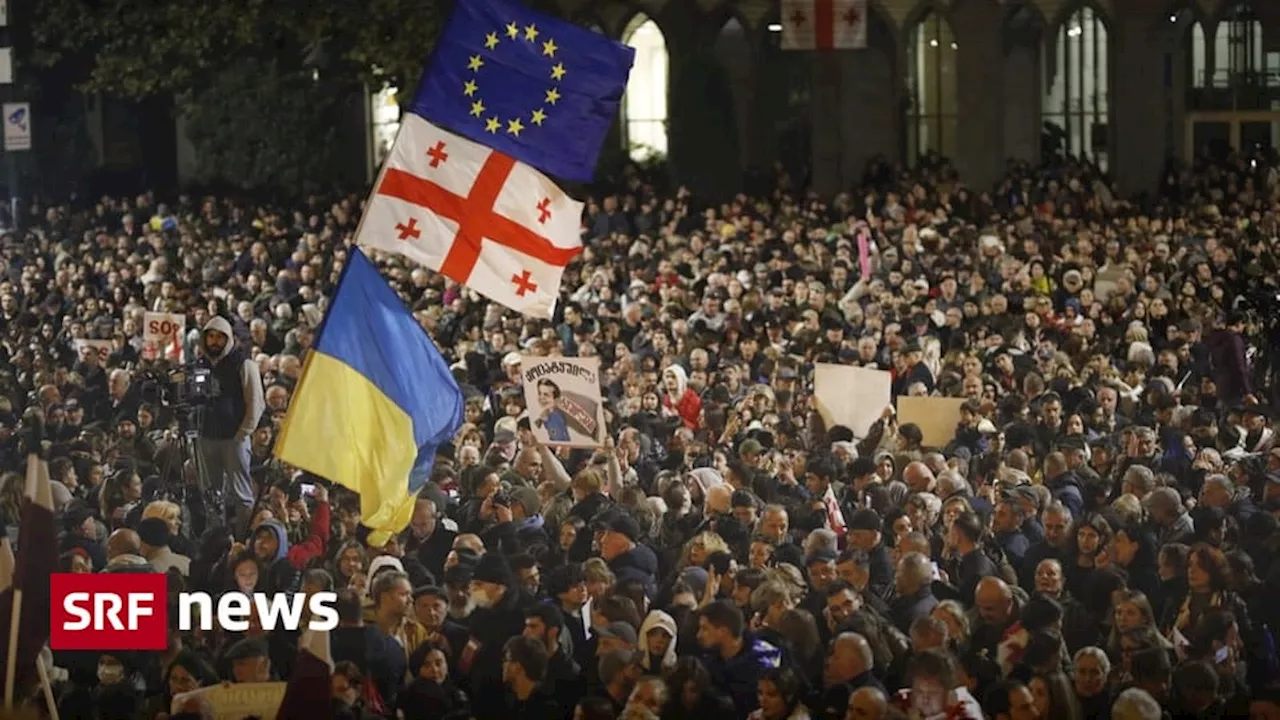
point(682, 379)
point(706, 478)
point(282, 536)
point(223, 326)
point(380, 563)
point(659, 619)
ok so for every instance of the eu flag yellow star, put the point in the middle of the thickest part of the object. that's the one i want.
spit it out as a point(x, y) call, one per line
point(491, 41)
point(470, 88)
point(475, 63)
point(557, 71)
point(492, 125)
point(531, 33)
point(513, 31)
point(538, 117)
point(552, 96)
point(514, 127)
point(549, 48)
point(477, 108)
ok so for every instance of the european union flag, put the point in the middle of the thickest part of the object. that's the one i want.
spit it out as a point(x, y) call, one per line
point(375, 400)
point(536, 88)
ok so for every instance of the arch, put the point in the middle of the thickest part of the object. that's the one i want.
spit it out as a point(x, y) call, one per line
point(932, 88)
point(1199, 55)
point(1076, 102)
point(1237, 47)
point(1023, 24)
point(644, 106)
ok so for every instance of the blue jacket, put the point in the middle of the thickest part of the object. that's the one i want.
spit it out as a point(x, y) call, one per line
point(739, 674)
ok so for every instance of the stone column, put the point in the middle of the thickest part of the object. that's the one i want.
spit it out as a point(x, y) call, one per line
point(980, 153)
point(1139, 98)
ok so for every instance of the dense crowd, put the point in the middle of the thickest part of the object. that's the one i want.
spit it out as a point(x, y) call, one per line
point(1096, 540)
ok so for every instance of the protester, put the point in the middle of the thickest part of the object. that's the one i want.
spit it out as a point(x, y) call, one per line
point(1096, 535)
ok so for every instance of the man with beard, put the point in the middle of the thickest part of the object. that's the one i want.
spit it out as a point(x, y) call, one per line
point(500, 605)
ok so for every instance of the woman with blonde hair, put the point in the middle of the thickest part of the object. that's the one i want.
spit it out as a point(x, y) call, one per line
point(700, 547)
point(954, 616)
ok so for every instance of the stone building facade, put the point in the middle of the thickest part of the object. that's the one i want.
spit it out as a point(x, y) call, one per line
point(977, 80)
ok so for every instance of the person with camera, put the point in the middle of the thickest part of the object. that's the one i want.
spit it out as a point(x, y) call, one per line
point(230, 415)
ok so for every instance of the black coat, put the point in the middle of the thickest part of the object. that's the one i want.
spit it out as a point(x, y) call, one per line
point(490, 630)
point(905, 610)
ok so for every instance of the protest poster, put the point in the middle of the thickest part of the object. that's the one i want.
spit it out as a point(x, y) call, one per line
point(101, 348)
point(937, 417)
point(851, 396)
point(562, 397)
point(162, 335)
point(236, 701)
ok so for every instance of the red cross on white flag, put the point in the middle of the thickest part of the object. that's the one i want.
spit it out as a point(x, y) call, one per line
point(475, 216)
point(824, 24)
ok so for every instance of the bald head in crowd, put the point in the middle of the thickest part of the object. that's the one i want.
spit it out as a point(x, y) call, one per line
point(123, 542)
point(867, 703)
point(918, 477)
point(994, 601)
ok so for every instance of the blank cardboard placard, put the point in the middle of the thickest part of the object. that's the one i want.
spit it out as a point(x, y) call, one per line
point(936, 417)
point(851, 396)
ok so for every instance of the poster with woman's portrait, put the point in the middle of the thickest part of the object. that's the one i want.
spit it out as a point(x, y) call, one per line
point(563, 398)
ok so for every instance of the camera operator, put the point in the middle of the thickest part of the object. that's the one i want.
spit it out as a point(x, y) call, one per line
point(230, 415)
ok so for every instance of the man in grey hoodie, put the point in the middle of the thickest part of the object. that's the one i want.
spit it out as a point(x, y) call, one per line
point(230, 416)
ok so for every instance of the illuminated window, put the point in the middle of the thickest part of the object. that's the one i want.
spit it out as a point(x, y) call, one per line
point(385, 112)
point(645, 104)
point(1077, 101)
point(931, 84)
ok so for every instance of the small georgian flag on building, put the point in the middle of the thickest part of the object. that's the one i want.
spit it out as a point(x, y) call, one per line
point(474, 215)
point(824, 24)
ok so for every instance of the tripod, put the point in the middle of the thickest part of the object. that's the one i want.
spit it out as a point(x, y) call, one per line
point(183, 471)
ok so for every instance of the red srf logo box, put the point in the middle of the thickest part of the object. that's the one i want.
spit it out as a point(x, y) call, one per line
point(110, 611)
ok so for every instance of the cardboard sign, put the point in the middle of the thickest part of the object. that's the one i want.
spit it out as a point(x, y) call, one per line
point(162, 335)
point(936, 417)
point(102, 348)
point(17, 126)
point(236, 701)
point(562, 398)
point(851, 396)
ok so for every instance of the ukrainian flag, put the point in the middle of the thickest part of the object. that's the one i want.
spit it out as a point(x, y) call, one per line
point(374, 402)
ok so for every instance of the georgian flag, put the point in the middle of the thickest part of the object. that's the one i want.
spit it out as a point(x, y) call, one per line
point(824, 24)
point(474, 215)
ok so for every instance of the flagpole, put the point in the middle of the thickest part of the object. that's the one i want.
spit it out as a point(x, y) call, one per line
point(48, 688)
point(12, 657)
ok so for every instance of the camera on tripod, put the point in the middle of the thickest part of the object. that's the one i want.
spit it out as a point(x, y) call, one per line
point(183, 387)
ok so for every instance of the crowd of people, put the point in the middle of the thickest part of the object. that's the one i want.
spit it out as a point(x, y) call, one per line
point(1096, 540)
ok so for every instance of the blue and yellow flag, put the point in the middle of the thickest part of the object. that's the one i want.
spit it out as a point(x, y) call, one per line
point(374, 402)
point(539, 89)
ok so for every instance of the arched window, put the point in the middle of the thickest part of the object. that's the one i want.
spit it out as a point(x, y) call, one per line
point(1199, 61)
point(931, 83)
point(645, 104)
point(1077, 103)
point(1237, 48)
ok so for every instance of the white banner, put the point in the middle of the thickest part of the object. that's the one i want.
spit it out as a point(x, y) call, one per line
point(17, 126)
point(101, 348)
point(162, 336)
point(6, 65)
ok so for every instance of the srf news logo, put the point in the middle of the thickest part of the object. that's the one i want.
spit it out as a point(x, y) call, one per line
point(130, 611)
